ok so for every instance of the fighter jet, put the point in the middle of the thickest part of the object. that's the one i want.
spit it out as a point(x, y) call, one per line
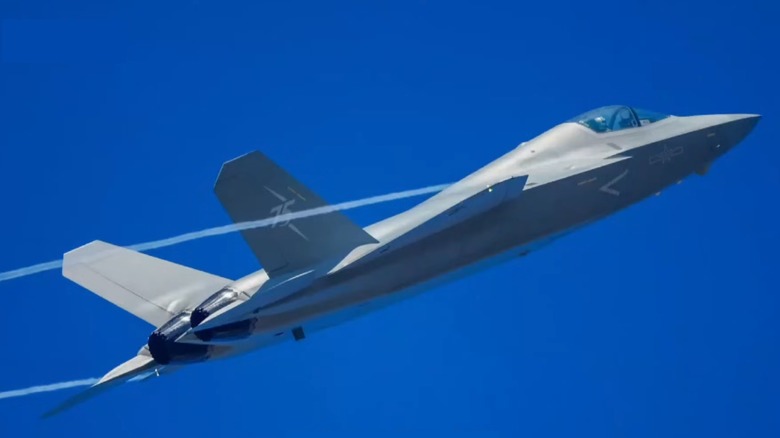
point(324, 269)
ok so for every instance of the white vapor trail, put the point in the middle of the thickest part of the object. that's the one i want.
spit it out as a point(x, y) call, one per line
point(225, 229)
point(47, 388)
point(216, 231)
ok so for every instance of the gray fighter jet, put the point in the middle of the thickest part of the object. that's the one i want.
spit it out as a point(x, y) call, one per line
point(321, 270)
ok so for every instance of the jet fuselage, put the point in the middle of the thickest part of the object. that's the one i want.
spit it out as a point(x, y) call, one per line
point(321, 269)
point(563, 179)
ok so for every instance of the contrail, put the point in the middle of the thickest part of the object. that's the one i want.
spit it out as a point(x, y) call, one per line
point(225, 229)
point(47, 388)
point(30, 270)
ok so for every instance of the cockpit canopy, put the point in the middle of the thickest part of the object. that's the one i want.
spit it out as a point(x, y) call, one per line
point(616, 118)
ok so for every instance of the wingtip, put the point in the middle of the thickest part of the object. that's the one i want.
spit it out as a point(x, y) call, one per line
point(75, 400)
point(119, 375)
point(51, 413)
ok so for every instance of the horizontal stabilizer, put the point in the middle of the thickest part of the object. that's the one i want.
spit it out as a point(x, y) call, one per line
point(137, 366)
point(252, 187)
point(152, 289)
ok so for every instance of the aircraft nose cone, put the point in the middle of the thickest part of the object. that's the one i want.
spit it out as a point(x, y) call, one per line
point(739, 127)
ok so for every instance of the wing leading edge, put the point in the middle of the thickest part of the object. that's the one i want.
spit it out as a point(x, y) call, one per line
point(152, 289)
point(135, 367)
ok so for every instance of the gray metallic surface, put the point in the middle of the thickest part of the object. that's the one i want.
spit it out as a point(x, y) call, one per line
point(325, 270)
point(252, 187)
point(491, 218)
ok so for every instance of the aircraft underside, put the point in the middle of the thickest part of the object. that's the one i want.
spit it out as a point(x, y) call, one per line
point(322, 269)
point(511, 228)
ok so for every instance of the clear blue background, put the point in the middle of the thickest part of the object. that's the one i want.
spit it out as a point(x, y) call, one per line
point(659, 321)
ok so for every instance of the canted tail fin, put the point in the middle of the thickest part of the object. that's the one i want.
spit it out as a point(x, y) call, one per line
point(252, 187)
point(152, 289)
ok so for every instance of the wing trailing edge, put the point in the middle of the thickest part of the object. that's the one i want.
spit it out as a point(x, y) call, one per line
point(152, 289)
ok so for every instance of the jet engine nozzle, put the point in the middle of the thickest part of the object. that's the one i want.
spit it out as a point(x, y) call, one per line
point(164, 348)
point(212, 304)
point(198, 316)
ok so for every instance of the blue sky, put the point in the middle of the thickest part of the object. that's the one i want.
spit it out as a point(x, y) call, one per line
point(659, 321)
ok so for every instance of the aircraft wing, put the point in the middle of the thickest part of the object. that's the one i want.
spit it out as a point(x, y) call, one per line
point(252, 187)
point(138, 367)
point(152, 289)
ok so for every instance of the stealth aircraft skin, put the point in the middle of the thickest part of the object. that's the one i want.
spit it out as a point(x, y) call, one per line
point(323, 269)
